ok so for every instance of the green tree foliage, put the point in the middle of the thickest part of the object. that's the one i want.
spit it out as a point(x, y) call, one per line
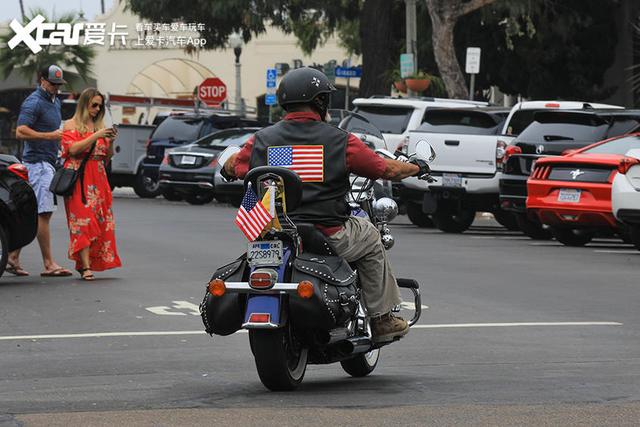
point(22, 60)
point(545, 49)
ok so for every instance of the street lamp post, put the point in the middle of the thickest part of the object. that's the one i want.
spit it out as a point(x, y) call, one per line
point(235, 40)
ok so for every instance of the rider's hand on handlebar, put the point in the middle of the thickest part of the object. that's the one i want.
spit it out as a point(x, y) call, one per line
point(424, 171)
point(226, 176)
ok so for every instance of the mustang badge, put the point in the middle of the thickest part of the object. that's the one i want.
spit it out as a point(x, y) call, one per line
point(576, 173)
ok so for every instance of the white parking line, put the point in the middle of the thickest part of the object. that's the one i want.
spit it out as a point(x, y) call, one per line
point(617, 251)
point(200, 332)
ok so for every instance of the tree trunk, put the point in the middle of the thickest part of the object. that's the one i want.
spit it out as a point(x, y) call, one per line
point(377, 58)
point(445, 55)
point(444, 15)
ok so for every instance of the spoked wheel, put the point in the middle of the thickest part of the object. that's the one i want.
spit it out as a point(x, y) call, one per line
point(572, 237)
point(280, 360)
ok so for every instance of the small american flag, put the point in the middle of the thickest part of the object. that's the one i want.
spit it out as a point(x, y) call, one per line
point(252, 215)
point(305, 160)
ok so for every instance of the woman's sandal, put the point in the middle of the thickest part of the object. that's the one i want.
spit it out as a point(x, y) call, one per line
point(89, 277)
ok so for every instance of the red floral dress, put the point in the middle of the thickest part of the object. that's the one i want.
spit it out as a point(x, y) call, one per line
point(90, 225)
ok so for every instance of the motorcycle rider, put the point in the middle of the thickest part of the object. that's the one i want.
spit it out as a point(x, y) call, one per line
point(305, 94)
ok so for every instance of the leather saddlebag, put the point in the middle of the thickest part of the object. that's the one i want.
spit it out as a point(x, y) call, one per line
point(224, 315)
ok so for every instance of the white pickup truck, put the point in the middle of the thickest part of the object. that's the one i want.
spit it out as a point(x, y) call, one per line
point(465, 169)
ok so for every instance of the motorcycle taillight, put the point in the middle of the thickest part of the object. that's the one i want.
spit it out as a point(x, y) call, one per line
point(20, 170)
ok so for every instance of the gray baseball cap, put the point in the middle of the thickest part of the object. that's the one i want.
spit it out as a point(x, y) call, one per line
point(53, 74)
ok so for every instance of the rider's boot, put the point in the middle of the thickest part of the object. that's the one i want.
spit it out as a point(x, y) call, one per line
point(388, 327)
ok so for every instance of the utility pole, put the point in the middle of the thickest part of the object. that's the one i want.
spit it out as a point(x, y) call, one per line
point(411, 35)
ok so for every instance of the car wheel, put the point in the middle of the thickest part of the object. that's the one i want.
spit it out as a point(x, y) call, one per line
point(4, 250)
point(417, 217)
point(146, 187)
point(571, 236)
point(235, 200)
point(634, 234)
point(453, 220)
point(199, 198)
point(506, 219)
point(172, 195)
point(532, 228)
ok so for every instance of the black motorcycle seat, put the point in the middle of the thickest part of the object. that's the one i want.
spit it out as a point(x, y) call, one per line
point(314, 241)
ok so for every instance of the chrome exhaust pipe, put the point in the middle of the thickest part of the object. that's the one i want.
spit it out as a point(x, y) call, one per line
point(355, 345)
point(333, 336)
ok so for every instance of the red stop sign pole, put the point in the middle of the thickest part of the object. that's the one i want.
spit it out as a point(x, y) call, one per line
point(212, 91)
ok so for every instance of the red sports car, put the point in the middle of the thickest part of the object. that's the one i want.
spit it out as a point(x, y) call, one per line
point(572, 193)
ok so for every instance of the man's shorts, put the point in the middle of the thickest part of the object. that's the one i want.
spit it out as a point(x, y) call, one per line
point(40, 176)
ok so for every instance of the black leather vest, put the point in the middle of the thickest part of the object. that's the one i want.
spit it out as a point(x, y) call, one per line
point(323, 198)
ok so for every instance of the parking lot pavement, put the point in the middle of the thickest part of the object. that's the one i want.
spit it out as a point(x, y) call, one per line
point(509, 323)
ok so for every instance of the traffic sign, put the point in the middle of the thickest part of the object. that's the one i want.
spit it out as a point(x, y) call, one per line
point(272, 74)
point(406, 65)
point(270, 99)
point(349, 72)
point(212, 91)
point(473, 60)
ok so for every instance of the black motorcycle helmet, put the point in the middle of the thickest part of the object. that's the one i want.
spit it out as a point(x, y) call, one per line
point(305, 86)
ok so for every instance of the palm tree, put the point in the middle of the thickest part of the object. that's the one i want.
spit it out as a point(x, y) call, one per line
point(70, 58)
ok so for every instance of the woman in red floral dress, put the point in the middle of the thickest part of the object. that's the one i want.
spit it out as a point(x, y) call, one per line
point(91, 224)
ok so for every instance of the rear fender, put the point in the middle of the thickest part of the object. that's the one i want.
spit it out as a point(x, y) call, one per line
point(263, 312)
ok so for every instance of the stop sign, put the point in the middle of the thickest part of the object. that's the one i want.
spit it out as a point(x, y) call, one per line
point(212, 91)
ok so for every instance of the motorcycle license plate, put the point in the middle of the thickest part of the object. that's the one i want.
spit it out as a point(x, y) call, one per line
point(265, 253)
point(188, 160)
point(569, 195)
point(451, 180)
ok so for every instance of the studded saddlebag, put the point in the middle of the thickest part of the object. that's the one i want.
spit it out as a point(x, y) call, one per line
point(224, 315)
point(336, 294)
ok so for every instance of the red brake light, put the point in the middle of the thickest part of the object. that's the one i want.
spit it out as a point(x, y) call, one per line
point(20, 170)
point(510, 151)
point(165, 159)
point(259, 318)
point(552, 105)
point(626, 163)
point(263, 279)
point(214, 162)
point(146, 144)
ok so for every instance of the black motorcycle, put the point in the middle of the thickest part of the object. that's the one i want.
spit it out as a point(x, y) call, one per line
point(299, 300)
point(18, 208)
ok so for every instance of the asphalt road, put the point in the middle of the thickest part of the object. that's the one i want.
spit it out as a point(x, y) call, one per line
point(516, 332)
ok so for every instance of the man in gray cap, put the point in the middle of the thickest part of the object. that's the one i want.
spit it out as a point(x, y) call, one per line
point(39, 126)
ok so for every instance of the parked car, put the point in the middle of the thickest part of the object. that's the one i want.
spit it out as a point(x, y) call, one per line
point(18, 208)
point(465, 172)
point(572, 193)
point(625, 194)
point(176, 130)
point(553, 133)
point(188, 171)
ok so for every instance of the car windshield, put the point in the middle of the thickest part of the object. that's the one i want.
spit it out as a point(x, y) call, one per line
point(617, 146)
point(179, 129)
point(225, 139)
point(460, 121)
point(572, 129)
point(387, 119)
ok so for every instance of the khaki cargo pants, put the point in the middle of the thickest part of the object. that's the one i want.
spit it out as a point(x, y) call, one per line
point(359, 243)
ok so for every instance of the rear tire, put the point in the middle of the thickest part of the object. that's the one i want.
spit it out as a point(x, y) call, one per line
point(634, 234)
point(362, 364)
point(4, 250)
point(199, 198)
point(532, 229)
point(506, 219)
point(145, 187)
point(453, 221)
point(417, 217)
point(571, 236)
point(281, 364)
point(172, 195)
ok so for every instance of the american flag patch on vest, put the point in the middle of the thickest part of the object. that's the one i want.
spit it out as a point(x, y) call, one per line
point(305, 160)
